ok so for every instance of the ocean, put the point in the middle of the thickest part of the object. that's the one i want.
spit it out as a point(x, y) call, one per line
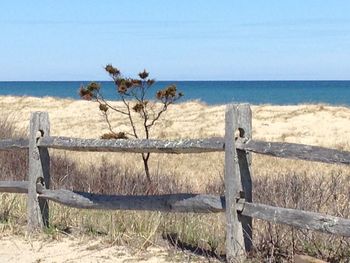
point(210, 92)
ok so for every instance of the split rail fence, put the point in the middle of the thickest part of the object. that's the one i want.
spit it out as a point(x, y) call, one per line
point(237, 202)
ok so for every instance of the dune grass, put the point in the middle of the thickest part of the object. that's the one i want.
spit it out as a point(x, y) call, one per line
point(293, 184)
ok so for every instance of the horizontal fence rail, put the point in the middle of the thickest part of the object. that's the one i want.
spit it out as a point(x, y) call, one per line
point(181, 203)
point(185, 203)
point(134, 146)
point(20, 187)
point(296, 151)
point(7, 144)
point(277, 149)
point(237, 203)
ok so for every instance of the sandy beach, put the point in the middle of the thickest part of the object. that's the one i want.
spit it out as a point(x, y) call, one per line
point(164, 70)
point(321, 125)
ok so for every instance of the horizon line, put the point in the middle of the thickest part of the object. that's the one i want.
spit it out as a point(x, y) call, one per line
point(185, 80)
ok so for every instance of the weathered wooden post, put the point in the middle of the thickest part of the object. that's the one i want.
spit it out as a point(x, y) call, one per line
point(39, 172)
point(237, 182)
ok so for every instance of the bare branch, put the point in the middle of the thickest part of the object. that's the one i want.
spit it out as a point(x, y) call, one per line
point(100, 98)
point(165, 107)
point(130, 117)
point(108, 122)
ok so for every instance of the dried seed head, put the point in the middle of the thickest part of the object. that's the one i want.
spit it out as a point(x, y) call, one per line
point(122, 88)
point(136, 82)
point(128, 83)
point(85, 94)
point(93, 86)
point(144, 74)
point(138, 107)
point(150, 82)
point(112, 70)
point(114, 136)
point(160, 94)
point(170, 91)
point(103, 107)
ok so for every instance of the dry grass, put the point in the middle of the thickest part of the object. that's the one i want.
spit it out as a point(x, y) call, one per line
point(310, 124)
point(294, 184)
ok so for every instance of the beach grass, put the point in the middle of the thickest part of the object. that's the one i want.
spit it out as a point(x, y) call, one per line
point(286, 183)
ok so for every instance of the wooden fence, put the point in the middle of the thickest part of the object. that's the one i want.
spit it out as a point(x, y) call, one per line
point(237, 202)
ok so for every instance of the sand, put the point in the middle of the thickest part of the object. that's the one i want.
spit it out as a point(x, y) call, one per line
point(29, 250)
point(321, 125)
point(310, 124)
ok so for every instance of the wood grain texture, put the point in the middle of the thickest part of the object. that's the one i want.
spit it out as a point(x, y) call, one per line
point(296, 151)
point(134, 146)
point(7, 144)
point(39, 167)
point(194, 203)
point(20, 187)
point(235, 248)
point(282, 150)
point(298, 218)
point(198, 203)
point(244, 164)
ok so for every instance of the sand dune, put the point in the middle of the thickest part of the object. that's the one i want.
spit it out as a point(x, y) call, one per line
point(310, 124)
point(321, 125)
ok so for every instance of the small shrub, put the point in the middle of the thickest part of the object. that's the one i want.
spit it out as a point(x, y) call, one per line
point(133, 92)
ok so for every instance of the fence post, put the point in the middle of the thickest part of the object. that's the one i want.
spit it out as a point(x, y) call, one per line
point(39, 172)
point(237, 182)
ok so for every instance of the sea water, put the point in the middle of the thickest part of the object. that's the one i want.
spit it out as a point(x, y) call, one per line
point(210, 92)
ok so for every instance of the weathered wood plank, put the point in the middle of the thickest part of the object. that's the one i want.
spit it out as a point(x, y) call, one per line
point(283, 150)
point(187, 203)
point(134, 146)
point(39, 167)
point(244, 161)
point(198, 203)
point(298, 218)
point(14, 187)
point(296, 151)
point(235, 248)
point(165, 203)
point(7, 144)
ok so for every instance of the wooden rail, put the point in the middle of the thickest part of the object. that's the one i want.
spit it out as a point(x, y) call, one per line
point(134, 146)
point(14, 187)
point(277, 149)
point(185, 203)
point(7, 144)
point(237, 202)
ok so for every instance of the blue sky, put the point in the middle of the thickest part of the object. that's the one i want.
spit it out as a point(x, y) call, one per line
point(175, 40)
